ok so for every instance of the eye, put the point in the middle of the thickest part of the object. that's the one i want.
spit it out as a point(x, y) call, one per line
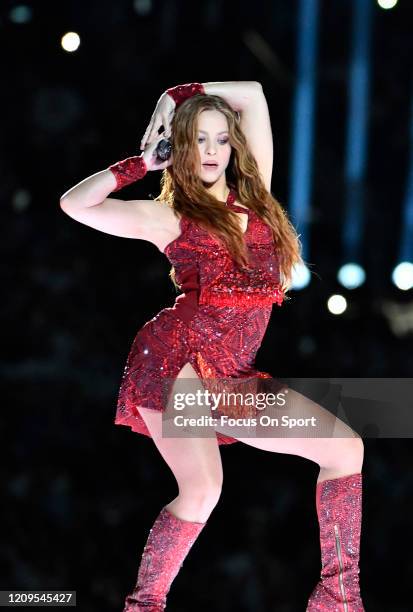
point(201, 139)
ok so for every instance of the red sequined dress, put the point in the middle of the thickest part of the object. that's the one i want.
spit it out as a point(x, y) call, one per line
point(217, 324)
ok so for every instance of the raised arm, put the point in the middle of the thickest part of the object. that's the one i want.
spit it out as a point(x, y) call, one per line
point(87, 202)
point(247, 97)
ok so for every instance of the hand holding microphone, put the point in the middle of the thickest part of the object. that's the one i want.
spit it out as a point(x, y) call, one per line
point(158, 154)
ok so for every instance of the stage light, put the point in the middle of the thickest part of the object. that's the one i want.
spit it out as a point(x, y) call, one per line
point(337, 304)
point(351, 275)
point(387, 4)
point(70, 41)
point(142, 7)
point(21, 200)
point(20, 14)
point(402, 275)
point(300, 276)
point(357, 131)
point(303, 121)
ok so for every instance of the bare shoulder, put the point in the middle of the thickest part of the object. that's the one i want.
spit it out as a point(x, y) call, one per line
point(149, 220)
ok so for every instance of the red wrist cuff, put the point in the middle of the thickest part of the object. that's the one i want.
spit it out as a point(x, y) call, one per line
point(180, 93)
point(128, 171)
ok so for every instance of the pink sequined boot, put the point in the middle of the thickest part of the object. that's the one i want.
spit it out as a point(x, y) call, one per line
point(339, 509)
point(169, 542)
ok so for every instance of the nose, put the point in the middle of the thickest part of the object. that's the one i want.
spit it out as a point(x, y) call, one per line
point(210, 148)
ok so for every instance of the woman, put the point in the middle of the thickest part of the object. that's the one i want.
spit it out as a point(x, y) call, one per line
point(232, 248)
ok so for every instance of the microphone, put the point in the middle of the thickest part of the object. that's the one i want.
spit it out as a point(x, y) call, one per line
point(163, 149)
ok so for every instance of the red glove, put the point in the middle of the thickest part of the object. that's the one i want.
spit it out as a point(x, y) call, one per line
point(180, 93)
point(128, 171)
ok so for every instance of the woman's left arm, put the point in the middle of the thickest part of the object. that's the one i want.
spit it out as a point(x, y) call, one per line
point(247, 97)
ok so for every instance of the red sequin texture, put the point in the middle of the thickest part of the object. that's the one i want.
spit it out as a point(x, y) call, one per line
point(168, 544)
point(339, 511)
point(217, 324)
point(128, 171)
point(180, 93)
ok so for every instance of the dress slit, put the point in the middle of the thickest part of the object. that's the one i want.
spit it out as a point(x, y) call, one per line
point(216, 324)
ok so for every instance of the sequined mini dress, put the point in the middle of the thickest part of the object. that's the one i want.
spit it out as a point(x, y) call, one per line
point(216, 324)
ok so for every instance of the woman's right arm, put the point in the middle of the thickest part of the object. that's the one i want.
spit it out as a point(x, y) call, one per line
point(88, 203)
point(89, 192)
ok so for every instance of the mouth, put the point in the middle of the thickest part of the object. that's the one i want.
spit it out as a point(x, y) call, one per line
point(210, 166)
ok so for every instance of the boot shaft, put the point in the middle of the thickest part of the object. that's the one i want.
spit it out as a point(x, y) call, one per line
point(169, 542)
point(339, 511)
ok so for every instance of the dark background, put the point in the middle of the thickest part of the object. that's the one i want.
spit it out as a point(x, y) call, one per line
point(79, 495)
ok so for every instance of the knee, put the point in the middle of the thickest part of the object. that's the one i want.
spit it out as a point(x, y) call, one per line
point(349, 454)
point(357, 447)
point(207, 494)
point(201, 496)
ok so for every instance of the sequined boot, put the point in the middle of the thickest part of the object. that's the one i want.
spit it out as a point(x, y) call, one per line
point(339, 509)
point(169, 542)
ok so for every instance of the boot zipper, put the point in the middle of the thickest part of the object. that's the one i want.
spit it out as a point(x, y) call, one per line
point(340, 576)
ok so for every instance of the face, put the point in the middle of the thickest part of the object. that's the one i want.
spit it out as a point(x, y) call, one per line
point(213, 145)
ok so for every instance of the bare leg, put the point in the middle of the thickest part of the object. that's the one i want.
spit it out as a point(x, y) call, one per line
point(338, 498)
point(196, 465)
point(338, 451)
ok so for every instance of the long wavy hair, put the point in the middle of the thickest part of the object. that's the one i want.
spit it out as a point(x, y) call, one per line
point(183, 190)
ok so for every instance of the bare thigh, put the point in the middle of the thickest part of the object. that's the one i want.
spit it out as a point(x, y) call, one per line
point(325, 439)
point(194, 461)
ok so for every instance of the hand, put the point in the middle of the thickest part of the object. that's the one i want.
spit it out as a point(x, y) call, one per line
point(151, 160)
point(162, 115)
